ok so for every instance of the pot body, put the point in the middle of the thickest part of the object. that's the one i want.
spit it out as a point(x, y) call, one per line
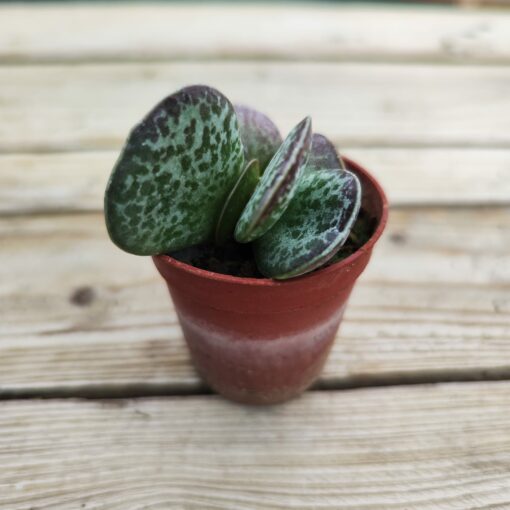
point(261, 341)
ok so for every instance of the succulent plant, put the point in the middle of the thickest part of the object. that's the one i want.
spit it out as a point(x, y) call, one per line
point(278, 185)
point(197, 171)
point(236, 201)
point(315, 224)
point(259, 135)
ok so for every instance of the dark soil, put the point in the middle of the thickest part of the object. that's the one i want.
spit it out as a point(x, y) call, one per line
point(236, 259)
point(233, 258)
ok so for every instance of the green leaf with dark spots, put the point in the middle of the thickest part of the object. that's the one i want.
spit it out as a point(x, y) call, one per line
point(172, 177)
point(236, 201)
point(277, 186)
point(259, 134)
point(314, 226)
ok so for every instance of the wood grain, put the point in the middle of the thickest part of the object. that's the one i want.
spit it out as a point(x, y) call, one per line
point(80, 318)
point(79, 314)
point(312, 31)
point(74, 182)
point(413, 448)
point(358, 104)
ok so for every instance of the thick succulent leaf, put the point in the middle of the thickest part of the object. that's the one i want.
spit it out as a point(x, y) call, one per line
point(277, 186)
point(259, 134)
point(178, 165)
point(314, 226)
point(323, 155)
point(236, 201)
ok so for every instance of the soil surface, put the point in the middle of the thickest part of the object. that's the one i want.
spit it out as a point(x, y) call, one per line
point(237, 259)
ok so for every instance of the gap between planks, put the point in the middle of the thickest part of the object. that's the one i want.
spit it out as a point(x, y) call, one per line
point(153, 390)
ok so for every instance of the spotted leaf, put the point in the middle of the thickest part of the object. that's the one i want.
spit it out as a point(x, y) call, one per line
point(236, 201)
point(177, 167)
point(277, 185)
point(314, 226)
point(259, 134)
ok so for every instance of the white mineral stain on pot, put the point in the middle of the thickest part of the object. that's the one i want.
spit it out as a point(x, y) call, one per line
point(232, 344)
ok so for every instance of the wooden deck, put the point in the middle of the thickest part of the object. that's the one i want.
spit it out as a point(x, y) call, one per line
point(412, 411)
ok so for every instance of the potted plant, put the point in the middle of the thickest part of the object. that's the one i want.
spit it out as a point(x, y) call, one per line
point(260, 240)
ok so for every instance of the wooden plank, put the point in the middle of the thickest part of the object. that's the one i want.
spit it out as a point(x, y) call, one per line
point(483, 3)
point(59, 182)
point(413, 448)
point(48, 108)
point(228, 31)
point(79, 314)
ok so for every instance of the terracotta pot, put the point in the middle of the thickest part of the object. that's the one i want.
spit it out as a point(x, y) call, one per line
point(261, 341)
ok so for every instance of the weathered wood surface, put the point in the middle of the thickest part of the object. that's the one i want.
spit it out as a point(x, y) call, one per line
point(413, 448)
point(74, 182)
point(51, 108)
point(229, 31)
point(81, 314)
point(80, 318)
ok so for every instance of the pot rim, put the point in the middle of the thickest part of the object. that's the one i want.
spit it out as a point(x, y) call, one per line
point(269, 282)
